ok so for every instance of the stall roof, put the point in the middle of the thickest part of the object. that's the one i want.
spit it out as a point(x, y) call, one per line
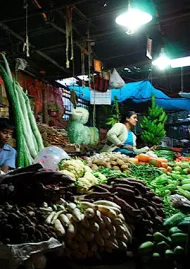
point(109, 42)
point(139, 92)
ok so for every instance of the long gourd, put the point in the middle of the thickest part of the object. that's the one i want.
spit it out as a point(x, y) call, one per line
point(33, 123)
point(12, 99)
point(25, 121)
point(27, 137)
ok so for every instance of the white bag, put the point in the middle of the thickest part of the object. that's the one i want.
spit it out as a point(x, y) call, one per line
point(116, 82)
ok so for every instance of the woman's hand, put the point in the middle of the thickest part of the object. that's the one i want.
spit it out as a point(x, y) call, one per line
point(128, 147)
point(120, 145)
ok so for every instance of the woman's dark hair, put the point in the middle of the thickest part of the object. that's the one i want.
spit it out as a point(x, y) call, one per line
point(127, 115)
point(6, 124)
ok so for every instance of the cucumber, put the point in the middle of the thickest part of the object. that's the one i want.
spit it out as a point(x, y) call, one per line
point(146, 247)
point(179, 250)
point(156, 256)
point(162, 246)
point(158, 237)
point(179, 238)
point(174, 220)
point(169, 254)
point(174, 230)
point(184, 224)
point(186, 187)
point(185, 181)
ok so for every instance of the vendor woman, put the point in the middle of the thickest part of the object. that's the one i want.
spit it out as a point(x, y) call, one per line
point(7, 153)
point(120, 137)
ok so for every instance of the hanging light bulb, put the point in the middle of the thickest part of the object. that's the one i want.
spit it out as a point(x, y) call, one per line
point(162, 62)
point(133, 19)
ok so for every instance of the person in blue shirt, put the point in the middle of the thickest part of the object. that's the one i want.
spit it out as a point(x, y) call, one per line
point(7, 153)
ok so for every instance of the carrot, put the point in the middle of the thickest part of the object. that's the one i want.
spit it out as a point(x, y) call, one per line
point(143, 158)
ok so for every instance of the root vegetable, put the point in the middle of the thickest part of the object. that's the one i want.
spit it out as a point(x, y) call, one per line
point(89, 236)
point(111, 244)
point(105, 234)
point(99, 240)
point(89, 213)
point(86, 205)
point(71, 231)
point(76, 215)
point(59, 228)
point(71, 206)
point(79, 238)
point(107, 220)
point(94, 227)
point(107, 203)
point(64, 220)
point(85, 222)
point(107, 211)
point(56, 216)
point(50, 217)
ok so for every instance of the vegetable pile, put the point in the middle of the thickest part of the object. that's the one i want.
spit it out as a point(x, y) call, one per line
point(115, 161)
point(22, 224)
point(52, 136)
point(140, 206)
point(84, 176)
point(168, 245)
point(90, 229)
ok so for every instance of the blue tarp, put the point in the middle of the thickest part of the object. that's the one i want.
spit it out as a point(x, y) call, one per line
point(139, 92)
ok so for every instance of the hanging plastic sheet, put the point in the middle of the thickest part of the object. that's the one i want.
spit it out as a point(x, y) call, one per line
point(140, 92)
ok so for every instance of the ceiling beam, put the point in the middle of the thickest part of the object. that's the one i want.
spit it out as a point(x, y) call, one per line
point(44, 10)
point(45, 56)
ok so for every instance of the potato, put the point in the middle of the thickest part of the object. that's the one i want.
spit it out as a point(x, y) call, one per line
point(124, 167)
point(116, 168)
point(113, 163)
point(113, 158)
point(120, 162)
point(94, 167)
point(107, 165)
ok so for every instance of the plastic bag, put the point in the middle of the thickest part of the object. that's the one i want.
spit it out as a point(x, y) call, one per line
point(116, 82)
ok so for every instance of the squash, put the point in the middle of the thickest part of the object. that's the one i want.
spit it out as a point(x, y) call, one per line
point(163, 160)
point(143, 157)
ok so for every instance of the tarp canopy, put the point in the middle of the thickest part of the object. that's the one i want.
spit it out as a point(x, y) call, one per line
point(139, 92)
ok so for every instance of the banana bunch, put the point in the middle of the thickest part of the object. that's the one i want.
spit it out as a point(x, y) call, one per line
point(153, 124)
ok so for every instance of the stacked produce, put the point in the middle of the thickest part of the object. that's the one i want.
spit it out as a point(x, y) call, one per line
point(78, 132)
point(33, 184)
point(24, 224)
point(153, 124)
point(84, 176)
point(115, 161)
point(53, 136)
point(140, 206)
point(168, 245)
point(166, 153)
point(28, 137)
point(89, 229)
point(170, 184)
